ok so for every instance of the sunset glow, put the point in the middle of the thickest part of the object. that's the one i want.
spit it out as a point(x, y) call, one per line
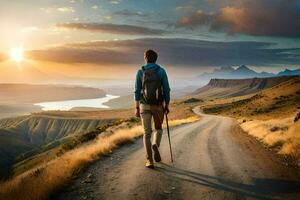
point(82, 40)
point(17, 54)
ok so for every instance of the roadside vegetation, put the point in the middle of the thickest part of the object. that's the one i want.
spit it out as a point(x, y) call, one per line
point(50, 173)
point(281, 135)
point(268, 115)
point(46, 135)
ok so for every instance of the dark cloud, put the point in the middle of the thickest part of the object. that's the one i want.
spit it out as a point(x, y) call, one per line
point(253, 17)
point(171, 51)
point(112, 28)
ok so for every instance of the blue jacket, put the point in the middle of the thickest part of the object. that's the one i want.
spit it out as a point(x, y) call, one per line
point(164, 79)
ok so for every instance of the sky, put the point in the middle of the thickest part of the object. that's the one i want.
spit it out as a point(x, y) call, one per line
point(107, 38)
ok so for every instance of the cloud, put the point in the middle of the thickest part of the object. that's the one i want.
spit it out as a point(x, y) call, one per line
point(145, 18)
point(30, 29)
point(184, 8)
point(66, 9)
point(95, 7)
point(108, 17)
point(194, 20)
point(115, 1)
point(252, 17)
point(130, 13)
point(177, 52)
point(112, 28)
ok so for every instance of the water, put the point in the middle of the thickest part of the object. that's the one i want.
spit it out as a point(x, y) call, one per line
point(68, 105)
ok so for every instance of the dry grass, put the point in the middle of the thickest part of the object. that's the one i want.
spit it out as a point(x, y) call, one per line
point(280, 101)
point(280, 134)
point(268, 115)
point(42, 181)
point(100, 114)
point(177, 122)
point(292, 144)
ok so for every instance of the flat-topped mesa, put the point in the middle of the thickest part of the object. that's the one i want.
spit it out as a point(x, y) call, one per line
point(225, 83)
point(259, 83)
point(221, 88)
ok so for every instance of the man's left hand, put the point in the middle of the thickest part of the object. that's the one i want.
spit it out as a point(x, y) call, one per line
point(137, 112)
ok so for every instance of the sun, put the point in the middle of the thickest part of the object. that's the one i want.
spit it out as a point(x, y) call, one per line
point(17, 54)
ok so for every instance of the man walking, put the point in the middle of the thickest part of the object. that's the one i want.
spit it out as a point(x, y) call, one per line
point(152, 96)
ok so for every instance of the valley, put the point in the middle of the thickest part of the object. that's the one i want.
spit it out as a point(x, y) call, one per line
point(89, 87)
point(264, 108)
point(19, 99)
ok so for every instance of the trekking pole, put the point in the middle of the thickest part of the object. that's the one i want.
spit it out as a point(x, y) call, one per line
point(169, 137)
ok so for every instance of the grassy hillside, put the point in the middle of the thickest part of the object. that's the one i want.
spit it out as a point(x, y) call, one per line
point(41, 181)
point(11, 145)
point(282, 100)
point(268, 115)
point(24, 137)
point(43, 136)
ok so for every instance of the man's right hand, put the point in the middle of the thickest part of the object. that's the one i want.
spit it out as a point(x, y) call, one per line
point(166, 109)
point(137, 112)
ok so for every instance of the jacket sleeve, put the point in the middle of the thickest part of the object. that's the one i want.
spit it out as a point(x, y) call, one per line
point(166, 87)
point(138, 86)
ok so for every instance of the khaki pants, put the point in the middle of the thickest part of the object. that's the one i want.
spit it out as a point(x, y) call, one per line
point(147, 113)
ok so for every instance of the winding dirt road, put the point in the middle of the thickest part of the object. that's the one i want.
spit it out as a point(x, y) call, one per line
point(211, 162)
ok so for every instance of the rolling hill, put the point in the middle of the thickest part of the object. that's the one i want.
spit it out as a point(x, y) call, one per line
point(23, 137)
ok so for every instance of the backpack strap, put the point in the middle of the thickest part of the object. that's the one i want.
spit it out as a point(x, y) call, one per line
point(143, 71)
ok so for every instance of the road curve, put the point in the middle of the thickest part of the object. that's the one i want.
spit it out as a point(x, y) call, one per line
point(210, 163)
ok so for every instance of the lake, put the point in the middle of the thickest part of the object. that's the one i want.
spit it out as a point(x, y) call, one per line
point(69, 104)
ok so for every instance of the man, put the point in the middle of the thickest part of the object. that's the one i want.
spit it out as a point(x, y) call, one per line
point(152, 96)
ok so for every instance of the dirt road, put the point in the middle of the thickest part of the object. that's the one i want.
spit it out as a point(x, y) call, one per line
point(211, 162)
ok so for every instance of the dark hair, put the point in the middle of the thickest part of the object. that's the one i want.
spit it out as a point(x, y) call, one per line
point(151, 56)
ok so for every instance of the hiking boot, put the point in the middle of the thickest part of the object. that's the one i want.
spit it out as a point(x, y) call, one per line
point(156, 155)
point(149, 164)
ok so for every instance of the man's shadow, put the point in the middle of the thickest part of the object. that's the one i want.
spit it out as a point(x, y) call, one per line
point(261, 188)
